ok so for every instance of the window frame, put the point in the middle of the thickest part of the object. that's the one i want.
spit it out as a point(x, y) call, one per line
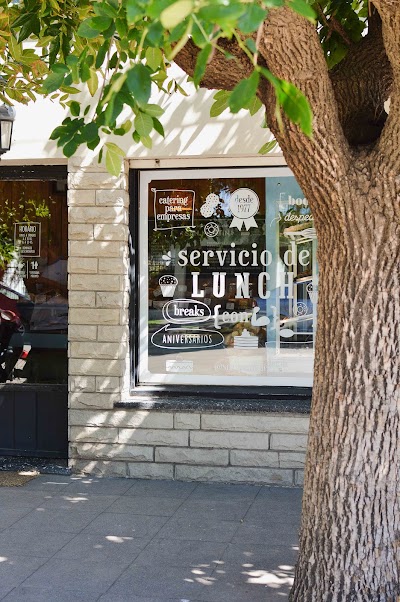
point(273, 393)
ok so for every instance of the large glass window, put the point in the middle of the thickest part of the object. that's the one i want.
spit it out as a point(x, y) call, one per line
point(228, 278)
point(33, 282)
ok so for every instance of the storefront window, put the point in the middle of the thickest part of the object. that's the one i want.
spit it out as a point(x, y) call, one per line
point(228, 278)
point(33, 282)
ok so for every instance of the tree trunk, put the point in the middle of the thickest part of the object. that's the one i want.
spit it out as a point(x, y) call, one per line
point(350, 532)
point(349, 540)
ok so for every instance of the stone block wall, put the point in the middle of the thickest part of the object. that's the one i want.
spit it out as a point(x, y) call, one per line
point(200, 446)
point(98, 286)
point(215, 447)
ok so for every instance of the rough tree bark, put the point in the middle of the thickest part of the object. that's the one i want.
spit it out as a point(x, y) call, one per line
point(350, 531)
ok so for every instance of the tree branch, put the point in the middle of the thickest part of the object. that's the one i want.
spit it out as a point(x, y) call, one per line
point(292, 50)
point(221, 73)
point(362, 83)
point(332, 24)
point(290, 47)
point(387, 152)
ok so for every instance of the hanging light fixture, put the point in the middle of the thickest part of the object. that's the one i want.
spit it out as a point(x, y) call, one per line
point(7, 116)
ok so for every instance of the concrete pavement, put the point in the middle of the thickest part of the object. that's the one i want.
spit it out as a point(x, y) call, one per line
point(85, 539)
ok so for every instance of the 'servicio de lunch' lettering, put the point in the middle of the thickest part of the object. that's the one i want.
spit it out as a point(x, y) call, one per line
point(234, 257)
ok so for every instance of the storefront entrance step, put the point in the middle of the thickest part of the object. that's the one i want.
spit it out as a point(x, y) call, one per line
point(42, 465)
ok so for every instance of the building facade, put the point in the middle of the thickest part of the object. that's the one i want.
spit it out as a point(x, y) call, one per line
point(189, 283)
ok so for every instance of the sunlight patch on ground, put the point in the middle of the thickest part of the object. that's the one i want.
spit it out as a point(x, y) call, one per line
point(273, 580)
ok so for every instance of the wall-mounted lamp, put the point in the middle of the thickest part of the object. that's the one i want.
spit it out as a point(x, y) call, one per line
point(7, 116)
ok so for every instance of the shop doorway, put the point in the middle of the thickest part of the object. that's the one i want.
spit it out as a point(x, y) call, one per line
point(34, 312)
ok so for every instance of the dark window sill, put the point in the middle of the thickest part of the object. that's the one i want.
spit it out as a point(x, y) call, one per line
point(225, 399)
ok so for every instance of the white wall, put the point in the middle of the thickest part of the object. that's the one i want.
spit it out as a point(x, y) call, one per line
point(189, 131)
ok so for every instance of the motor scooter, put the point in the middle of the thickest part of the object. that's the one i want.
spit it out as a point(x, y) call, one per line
point(10, 323)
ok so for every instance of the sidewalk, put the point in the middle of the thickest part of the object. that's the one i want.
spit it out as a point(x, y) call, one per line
point(84, 539)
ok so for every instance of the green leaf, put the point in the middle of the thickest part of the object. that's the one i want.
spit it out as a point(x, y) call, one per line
point(267, 147)
point(126, 126)
point(86, 30)
point(93, 143)
point(101, 54)
point(31, 27)
point(201, 63)
point(122, 28)
point(153, 58)
point(152, 110)
point(252, 18)
point(114, 158)
point(100, 23)
point(55, 78)
point(70, 148)
point(155, 34)
point(143, 124)
point(251, 45)
point(93, 82)
point(223, 14)
point(243, 93)
point(75, 108)
point(103, 8)
point(90, 131)
point(146, 141)
point(177, 12)
point(158, 127)
point(254, 105)
point(221, 103)
point(133, 11)
point(302, 8)
point(296, 106)
point(139, 83)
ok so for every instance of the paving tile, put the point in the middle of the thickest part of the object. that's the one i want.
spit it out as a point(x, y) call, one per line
point(275, 534)
point(258, 556)
point(234, 510)
point(81, 539)
point(262, 514)
point(126, 525)
point(171, 582)
point(86, 503)
point(25, 543)
point(281, 494)
point(15, 569)
point(42, 520)
point(9, 498)
point(48, 483)
point(184, 553)
point(98, 486)
point(102, 548)
point(80, 575)
point(40, 594)
point(150, 505)
point(247, 586)
point(165, 489)
point(202, 529)
point(220, 492)
point(8, 516)
point(246, 582)
point(128, 597)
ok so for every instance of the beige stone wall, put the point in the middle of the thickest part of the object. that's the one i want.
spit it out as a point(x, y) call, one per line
point(98, 287)
point(249, 448)
point(204, 446)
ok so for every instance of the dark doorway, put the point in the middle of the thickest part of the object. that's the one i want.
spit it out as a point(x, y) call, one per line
point(34, 312)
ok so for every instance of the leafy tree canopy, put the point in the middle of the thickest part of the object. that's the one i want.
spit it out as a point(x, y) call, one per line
point(119, 50)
